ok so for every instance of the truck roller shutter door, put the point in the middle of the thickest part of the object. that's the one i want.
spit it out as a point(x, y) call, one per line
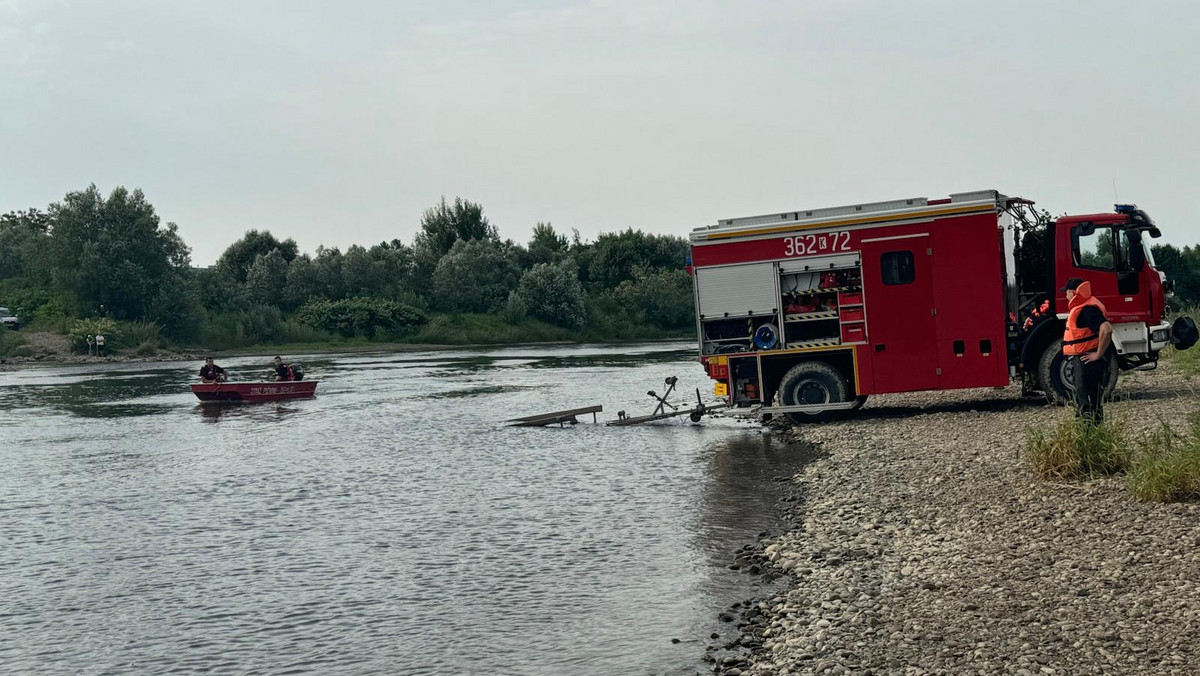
point(737, 290)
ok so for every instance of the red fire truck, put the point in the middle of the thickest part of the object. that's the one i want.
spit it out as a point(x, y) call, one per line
point(807, 313)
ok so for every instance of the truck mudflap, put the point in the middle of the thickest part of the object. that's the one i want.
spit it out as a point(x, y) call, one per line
point(1184, 333)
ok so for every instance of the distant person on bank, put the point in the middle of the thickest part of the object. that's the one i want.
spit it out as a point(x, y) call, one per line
point(211, 373)
point(283, 372)
point(1087, 341)
point(91, 344)
point(99, 345)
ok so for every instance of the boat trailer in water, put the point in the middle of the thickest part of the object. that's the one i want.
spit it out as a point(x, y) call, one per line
point(660, 412)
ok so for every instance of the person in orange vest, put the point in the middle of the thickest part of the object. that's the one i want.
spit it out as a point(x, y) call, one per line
point(1088, 341)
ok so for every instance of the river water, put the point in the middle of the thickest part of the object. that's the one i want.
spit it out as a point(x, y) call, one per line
point(391, 525)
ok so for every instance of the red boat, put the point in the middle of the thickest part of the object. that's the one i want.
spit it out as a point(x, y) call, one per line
point(251, 392)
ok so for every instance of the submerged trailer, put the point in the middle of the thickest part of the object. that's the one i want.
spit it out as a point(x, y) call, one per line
point(809, 312)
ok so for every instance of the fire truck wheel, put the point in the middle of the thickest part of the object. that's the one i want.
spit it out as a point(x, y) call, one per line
point(1057, 380)
point(1053, 374)
point(812, 382)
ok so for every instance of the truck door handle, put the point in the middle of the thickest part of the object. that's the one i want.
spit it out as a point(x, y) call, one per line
point(880, 347)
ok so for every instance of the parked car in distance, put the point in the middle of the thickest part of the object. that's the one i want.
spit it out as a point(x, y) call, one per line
point(9, 320)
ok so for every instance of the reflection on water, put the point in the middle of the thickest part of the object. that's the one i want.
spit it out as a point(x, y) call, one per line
point(390, 525)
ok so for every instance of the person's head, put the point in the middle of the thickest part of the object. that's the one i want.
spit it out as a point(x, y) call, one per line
point(1071, 288)
point(278, 361)
point(208, 361)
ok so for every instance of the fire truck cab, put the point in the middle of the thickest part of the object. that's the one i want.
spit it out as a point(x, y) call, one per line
point(809, 312)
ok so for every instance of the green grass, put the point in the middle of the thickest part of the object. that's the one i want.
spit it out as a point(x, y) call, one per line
point(139, 336)
point(1163, 466)
point(51, 324)
point(12, 344)
point(476, 329)
point(1168, 467)
point(1188, 361)
point(1074, 449)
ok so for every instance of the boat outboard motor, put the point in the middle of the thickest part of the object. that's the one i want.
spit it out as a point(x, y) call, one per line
point(297, 371)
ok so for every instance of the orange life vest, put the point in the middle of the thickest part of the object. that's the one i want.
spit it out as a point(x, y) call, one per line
point(1076, 339)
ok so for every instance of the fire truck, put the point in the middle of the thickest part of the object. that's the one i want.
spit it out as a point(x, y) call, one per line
point(807, 313)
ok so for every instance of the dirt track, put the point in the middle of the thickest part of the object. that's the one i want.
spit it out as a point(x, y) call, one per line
point(924, 545)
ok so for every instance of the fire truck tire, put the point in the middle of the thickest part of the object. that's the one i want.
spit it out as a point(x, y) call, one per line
point(1055, 378)
point(813, 382)
point(1052, 374)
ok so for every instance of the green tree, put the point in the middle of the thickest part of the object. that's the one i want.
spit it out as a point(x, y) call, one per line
point(219, 291)
point(237, 259)
point(25, 245)
point(443, 225)
point(1182, 268)
point(303, 282)
point(328, 262)
point(546, 245)
point(552, 293)
point(661, 298)
point(113, 251)
point(176, 307)
point(267, 278)
point(475, 276)
point(384, 270)
point(613, 257)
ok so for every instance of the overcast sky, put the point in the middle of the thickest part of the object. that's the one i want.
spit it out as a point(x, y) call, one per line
point(339, 123)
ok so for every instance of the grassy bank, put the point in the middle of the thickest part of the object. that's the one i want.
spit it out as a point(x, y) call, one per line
point(1188, 361)
point(12, 344)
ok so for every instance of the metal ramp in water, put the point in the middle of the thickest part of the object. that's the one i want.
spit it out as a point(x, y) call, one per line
point(555, 417)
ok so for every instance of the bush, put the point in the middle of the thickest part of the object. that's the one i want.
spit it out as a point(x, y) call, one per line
point(29, 301)
point(1168, 469)
point(77, 336)
point(551, 293)
point(12, 344)
point(661, 298)
point(476, 277)
point(365, 317)
point(55, 308)
point(1075, 449)
point(146, 348)
point(239, 328)
point(477, 329)
point(137, 335)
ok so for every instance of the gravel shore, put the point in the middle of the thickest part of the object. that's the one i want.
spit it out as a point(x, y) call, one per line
point(922, 544)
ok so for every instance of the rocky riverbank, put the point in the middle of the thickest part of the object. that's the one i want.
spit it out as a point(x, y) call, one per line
point(922, 544)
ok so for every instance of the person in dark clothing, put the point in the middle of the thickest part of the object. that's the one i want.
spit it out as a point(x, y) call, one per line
point(1088, 341)
point(283, 372)
point(211, 373)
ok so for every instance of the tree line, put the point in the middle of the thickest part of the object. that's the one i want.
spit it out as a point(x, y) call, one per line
point(91, 254)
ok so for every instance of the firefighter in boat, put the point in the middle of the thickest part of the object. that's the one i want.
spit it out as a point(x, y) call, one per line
point(1088, 342)
point(287, 372)
point(283, 372)
point(211, 373)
